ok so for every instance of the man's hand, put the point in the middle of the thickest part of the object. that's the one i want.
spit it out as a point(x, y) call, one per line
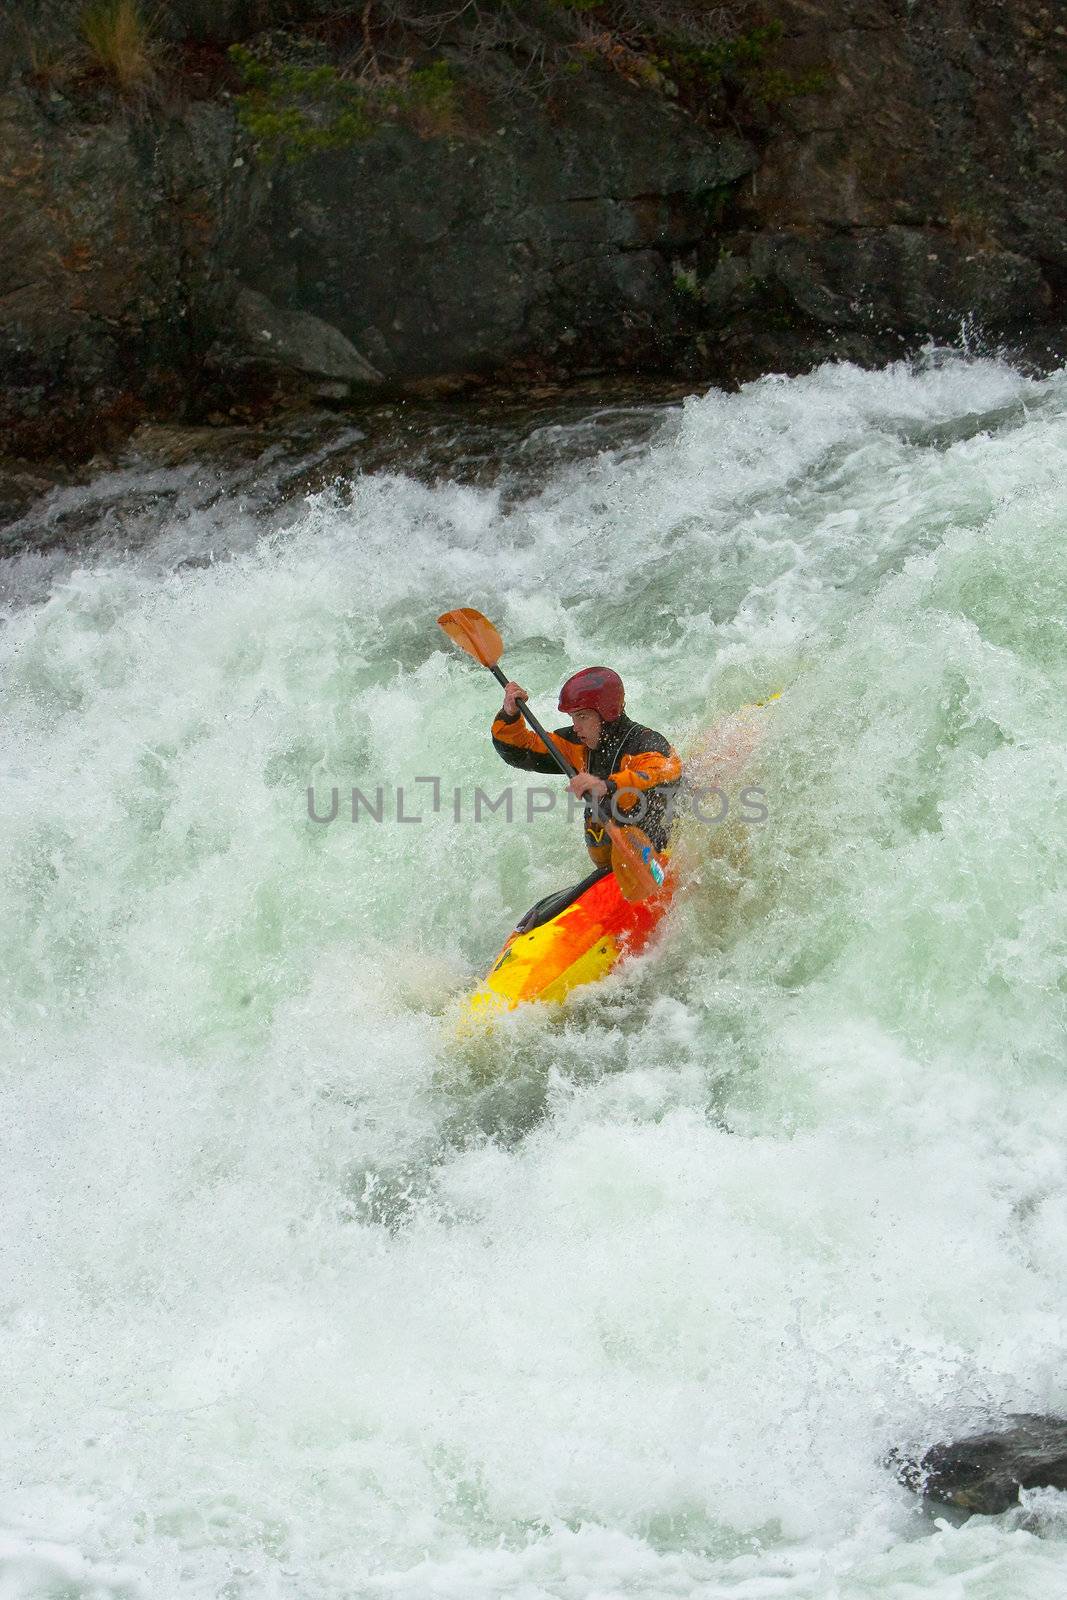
point(513, 693)
point(584, 783)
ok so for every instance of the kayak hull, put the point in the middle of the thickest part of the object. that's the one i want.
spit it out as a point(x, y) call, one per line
point(579, 945)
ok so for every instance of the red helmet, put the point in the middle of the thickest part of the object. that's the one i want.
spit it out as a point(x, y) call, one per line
point(593, 689)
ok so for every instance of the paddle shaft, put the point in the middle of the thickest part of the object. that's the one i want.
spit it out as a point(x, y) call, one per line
point(561, 760)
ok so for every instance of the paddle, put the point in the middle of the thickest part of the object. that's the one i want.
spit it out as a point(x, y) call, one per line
point(633, 857)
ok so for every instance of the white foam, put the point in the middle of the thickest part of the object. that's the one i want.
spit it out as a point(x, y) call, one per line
point(298, 1297)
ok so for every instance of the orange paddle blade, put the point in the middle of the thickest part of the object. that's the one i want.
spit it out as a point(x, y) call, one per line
point(634, 862)
point(473, 633)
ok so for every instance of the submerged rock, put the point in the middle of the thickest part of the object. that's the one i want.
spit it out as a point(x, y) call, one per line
point(985, 1472)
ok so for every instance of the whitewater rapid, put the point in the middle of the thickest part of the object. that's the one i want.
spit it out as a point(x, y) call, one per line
point(303, 1296)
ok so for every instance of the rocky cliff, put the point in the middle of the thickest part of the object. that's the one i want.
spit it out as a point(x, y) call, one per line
point(900, 172)
point(925, 191)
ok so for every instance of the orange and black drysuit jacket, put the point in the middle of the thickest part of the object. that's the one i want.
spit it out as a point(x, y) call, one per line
point(639, 766)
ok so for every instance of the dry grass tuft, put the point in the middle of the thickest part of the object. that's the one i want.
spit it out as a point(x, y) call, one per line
point(120, 43)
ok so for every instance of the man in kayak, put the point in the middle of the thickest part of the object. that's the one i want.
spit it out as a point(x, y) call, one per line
point(628, 769)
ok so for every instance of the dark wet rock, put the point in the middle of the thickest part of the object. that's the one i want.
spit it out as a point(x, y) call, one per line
point(19, 491)
point(985, 1472)
point(883, 281)
point(921, 191)
point(547, 236)
point(291, 353)
point(916, 186)
point(913, 280)
point(113, 258)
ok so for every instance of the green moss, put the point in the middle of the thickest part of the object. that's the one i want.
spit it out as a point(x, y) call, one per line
point(715, 201)
point(741, 64)
point(774, 87)
point(430, 92)
point(294, 110)
point(296, 101)
point(686, 283)
point(707, 67)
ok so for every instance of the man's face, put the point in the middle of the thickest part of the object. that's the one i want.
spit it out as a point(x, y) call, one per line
point(587, 725)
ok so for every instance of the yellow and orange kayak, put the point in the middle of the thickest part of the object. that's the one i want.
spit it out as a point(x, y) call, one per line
point(568, 939)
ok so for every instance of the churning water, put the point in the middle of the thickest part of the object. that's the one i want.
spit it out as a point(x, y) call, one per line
point(305, 1296)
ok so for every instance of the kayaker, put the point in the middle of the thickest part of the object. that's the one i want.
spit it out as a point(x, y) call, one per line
point(621, 765)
